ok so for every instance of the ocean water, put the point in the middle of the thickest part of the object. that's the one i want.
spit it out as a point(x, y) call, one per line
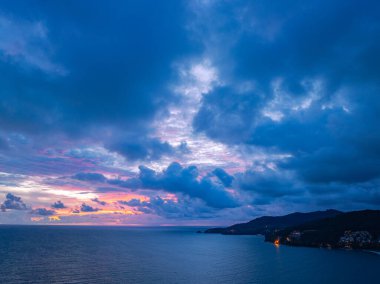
point(55, 254)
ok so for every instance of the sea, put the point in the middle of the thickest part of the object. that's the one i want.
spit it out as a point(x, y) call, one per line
point(83, 254)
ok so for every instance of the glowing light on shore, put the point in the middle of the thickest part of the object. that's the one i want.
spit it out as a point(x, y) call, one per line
point(36, 219)
point(54, 218)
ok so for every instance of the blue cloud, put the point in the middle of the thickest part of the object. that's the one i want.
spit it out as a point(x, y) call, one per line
point(268, 186)
point(115, 74)
point(13, 202)
point(96, 200)
point(42, 212)
point(303, 81)
point(133, 202)
point(142, 149)
point(183, 208)
point(177, 179)
point(87, 208)
point(58, 205)
point(84, 86)
point(223, 176)
point(92, 177)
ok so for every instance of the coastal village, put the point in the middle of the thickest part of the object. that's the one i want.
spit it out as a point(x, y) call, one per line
point(358, 239)
point(349, 240)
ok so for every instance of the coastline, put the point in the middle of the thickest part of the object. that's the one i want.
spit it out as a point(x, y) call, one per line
point(372, 252)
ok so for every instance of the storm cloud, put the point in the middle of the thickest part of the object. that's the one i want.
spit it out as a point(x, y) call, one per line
point(305, 83)
point(201, 108)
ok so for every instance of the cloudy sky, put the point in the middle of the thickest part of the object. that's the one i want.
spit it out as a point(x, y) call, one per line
point(187, 112)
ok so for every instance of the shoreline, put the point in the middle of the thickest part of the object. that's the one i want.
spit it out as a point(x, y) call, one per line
point(372, 252)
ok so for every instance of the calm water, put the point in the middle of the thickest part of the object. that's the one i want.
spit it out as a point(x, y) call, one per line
point(168, 255)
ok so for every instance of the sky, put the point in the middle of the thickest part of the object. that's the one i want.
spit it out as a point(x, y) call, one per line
point(203, 112)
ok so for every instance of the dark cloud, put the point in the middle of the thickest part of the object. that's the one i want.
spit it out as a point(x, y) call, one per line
point(268, 186)
point(105, 189)
point(177, 179)
point(13, 202)
point(83, 82)
point(58, 205)
point(91, 177)
point(227, 115)
point(182, 208)
point(91, 79)
point(223, 176)
point(329, 164)
point(302, 80)
point(132, 183)
point(142, 149)
point(133, 202)
point(96, 200)
point(87, 208)
point(42, 212)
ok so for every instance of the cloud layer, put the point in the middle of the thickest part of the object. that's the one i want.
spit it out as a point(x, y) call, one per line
point(209, 111)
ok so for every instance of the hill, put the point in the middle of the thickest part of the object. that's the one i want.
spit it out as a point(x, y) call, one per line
point(266, 224)
point(357, 229)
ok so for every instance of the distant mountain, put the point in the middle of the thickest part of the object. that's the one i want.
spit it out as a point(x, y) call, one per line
point(267, 224)
point(357, 229)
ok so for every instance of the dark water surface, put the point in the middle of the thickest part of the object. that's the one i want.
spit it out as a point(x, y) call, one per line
point(169, 255)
